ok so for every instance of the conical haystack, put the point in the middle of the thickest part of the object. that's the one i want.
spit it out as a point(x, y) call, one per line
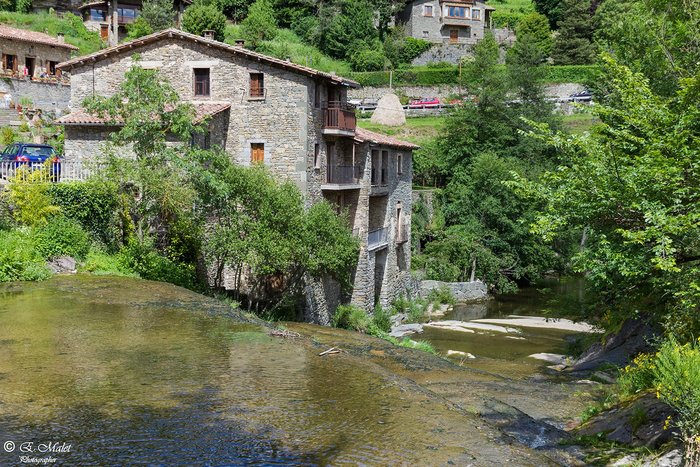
point(389, 111)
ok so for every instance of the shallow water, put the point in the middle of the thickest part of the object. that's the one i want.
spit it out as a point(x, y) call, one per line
point(135, 372)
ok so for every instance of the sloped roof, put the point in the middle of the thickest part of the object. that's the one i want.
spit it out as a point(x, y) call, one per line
point(82, 117)
point(362, 136)
point(9, 33)
point(233, 49)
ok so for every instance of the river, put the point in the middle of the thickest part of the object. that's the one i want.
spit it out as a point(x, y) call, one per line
point(120, 371)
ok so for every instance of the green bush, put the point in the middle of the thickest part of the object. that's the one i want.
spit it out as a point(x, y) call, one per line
point(101, 263)
point(93, 203)
point(142, 258)
point(200, 17)
point(6, 220)
point(636, 377)
point(19, 259)
point(381, 320)
point(62, 237)
point(505, 19)
point(441, 295)
point(368, 60)
point(7, 136)
point(351, 317)
point(28, 193)
point(582, 74)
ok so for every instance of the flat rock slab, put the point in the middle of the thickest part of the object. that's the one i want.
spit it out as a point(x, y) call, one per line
point(470, 326)
point(553, 358)
point(459, 353)
point(539, 322)
point(404, 330)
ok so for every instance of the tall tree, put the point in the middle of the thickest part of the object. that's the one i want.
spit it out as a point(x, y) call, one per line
point(260, 24)
point(573, 45)
point(201, 16)
point(535, 28)
point(156, 15)
point(348, 28)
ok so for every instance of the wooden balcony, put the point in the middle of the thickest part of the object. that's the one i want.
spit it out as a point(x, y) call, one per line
point(339, 119)
point(342, 177)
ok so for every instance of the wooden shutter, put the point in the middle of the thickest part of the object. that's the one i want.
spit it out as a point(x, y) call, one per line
point(257, 153)
point(454, 35)
point(257, 85)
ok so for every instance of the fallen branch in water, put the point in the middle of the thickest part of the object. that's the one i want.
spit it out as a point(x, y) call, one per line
point(284, 333)
point(330, 351)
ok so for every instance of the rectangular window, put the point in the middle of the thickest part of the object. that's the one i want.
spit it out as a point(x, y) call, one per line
point(476, 14)
point(385, 166)
point(427, 10)
point(456, 11)
point(399, 163)
point(257, 153)
point(317, 156)
point(201, 82)
point(425, 34)
point(257, 85)
point(9, 62)
point(98, 15)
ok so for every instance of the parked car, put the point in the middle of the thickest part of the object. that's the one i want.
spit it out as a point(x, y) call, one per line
point(425, 102)
point(584, 95)
point(17, 155)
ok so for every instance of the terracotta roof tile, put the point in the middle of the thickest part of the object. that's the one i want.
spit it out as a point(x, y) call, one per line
point(362, 135)
point(6, 32)
point(81, 117)
point(234, 49)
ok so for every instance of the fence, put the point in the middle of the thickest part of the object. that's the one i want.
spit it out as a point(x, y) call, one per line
point(63, 171)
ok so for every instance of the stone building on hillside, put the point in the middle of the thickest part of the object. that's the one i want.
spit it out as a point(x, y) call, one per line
point(446, 21)
point(291, 118)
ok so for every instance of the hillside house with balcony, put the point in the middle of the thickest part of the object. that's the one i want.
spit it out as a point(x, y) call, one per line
point(293, 119)
point(446, 21)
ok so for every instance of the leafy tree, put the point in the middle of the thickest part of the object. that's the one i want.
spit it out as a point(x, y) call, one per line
point(368, 60)
point(200, 17)
point(670, 49)
point(234, 9)
point(552, 9)
point(350, 28)
point(535, 28)
point(260, 25)
point(156, 15)
point(400, 49)
point(573, 45)
point(633, 185)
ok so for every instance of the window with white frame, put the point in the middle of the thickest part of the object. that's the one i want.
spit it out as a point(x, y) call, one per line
point(476, 14)
point(427, 10)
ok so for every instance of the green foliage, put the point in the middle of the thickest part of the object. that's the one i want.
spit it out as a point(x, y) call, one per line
point(381, 320)
point(535, 28)
point(141, 257)
point(234, 9)
point(656, 38)
point(155, 15)
point(62, 237)
point(29, 194)
point(400, 49)
point(139, 28)
point(441, 296)
point(421, 345)
point(24, 6)
point(200, 17)
point(351, 317)
point(552, 9)
point(574, 43)
point(69, 24)
point(19, 259)
point(92, 203)
point(7, 221)
point(260, 24)
point(505, 19)
point(632, 184)
point(7, 136)
point(347, 28)
point(637, 376)
point(368, 60)
point(103, 264)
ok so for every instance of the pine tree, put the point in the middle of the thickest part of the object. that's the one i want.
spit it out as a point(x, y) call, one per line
point(260, 25)
point(574, 45)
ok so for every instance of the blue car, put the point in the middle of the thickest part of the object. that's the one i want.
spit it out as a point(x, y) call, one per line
point(17, 155)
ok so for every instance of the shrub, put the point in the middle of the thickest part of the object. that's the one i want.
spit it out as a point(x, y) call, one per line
point(93, 203)
point(636, 377)
point(19, 259)
point(351, 317)
point(101, 263)
point(29, 195)
point(62, 237)
point(368, 60)
point(441, 295)
point(7, 136)
point(381, 321)
point(260, 24)
point(200, 17)
point(677, 380)
point(143, 259)
point(6, 220)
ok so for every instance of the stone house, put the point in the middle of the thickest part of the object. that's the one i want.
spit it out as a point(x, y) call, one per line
point(293, 119)
point(32, 55)
point(111, 17)
point(446, 21)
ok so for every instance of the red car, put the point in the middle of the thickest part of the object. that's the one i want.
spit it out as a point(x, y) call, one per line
point(425, 102)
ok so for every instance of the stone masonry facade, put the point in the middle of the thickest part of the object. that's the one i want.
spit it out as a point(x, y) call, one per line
point(294, 120)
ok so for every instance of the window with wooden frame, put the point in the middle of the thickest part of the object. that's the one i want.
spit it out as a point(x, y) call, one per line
point(476, 14)
point(257, 153)
point(257, 85)
point(427, 10)
point(9, 62)
point(202, 86)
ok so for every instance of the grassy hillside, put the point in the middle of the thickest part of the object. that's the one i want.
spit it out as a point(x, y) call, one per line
point(416, 130)
point(288, 45)
point(71, 25)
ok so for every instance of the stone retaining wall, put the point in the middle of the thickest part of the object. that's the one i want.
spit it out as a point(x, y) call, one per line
point(49, 97)
point(443, 91)
point(462, 291)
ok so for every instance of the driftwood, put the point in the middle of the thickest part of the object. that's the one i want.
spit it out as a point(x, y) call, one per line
point(330, 351)
point(284, 333)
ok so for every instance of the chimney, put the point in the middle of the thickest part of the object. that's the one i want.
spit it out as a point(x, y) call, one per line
point(208, 34)
point(60, 37)
point(240, 42)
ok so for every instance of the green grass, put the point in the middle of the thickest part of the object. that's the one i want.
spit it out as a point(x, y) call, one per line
point(71, 25)
point(416, 130)
point(287, 45)
point(579, 122)
point(513, 6)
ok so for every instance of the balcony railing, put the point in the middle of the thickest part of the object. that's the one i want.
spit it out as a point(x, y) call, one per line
point(343, 174)
point(63, 171)
point(379, 176)
point(339, 117)
point(402, 234)
point(377, 238)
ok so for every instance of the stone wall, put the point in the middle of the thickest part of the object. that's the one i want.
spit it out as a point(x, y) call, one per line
point(444, 91)
point(49, 97)
point(41, 53)
point(462, 291)
point(450, 53)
